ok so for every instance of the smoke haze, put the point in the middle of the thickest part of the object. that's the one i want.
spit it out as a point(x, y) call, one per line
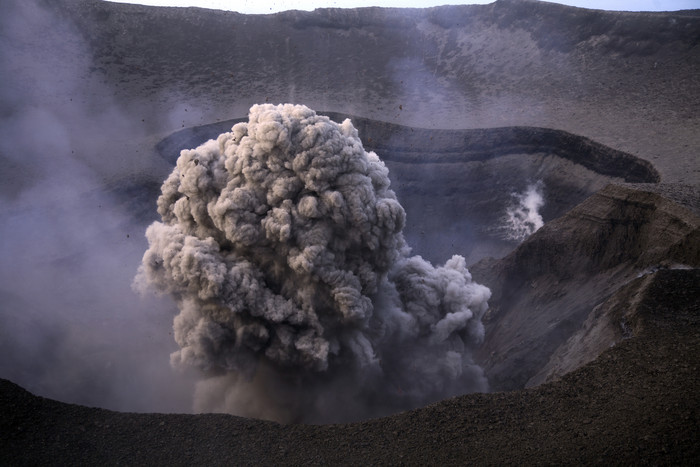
point(281, 242)
point(72, 180)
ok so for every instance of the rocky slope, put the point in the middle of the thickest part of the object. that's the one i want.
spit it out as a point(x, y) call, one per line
point(553, 296)
point(627, 80)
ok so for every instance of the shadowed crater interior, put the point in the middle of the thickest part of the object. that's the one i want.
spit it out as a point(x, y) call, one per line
point(457, 186)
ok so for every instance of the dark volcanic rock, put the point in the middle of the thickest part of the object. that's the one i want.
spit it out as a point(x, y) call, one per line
point(398, 143)
point(545, 289)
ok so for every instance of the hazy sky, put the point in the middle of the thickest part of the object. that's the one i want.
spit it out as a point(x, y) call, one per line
point(273, 6)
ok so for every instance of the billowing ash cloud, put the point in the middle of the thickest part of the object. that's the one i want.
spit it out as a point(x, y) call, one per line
point(282, 244)
point(522, 218)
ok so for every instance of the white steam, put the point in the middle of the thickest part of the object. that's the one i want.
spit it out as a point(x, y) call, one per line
point(522, 218)
point(281, 243)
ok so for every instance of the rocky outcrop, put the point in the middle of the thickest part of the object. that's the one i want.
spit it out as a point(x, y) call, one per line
point(606, 325)
point(552, 296)
point(399, 143)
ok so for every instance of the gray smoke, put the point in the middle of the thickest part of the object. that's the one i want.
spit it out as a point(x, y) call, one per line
point(281, 242)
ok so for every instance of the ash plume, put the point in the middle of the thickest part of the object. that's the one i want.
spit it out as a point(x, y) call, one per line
point(281, 242)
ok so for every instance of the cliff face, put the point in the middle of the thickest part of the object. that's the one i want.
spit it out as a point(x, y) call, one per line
point(456, 185)
point(627, 80)
point(326, 50)
point(570, 274)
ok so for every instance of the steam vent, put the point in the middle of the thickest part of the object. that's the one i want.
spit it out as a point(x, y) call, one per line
point(449, 235)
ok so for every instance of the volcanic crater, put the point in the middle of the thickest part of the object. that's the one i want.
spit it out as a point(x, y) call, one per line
point(591, 344)
point(456, 185)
